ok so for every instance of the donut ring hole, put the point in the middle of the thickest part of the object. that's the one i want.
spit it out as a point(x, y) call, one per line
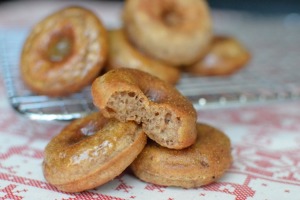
point(171, 17)
point(154, 95)
point(92, 127)
point(60, 46)
point(87, 130)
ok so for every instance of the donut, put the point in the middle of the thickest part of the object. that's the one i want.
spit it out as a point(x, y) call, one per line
point(200, 164)
point(225, 56)
point(166, 116)
point(64, 52)
point(174, 31)
point(122, 54)
point(90, 152)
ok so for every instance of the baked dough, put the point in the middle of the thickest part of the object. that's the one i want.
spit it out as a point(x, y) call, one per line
point(226, 55)
point(174, 31)
point(200, 164)
point(122, 54)
point(90, 152)
point(166, 116)
point(64, 52)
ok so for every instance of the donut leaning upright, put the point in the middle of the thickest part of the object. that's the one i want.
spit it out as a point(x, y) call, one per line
point(174, 31)
point(64, 52)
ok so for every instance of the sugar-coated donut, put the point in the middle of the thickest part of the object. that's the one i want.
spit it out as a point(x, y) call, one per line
point(90, 152)
point(174, 31)
point(64, 52)
point(123, 54)
point(226, 55)
point(200, 164)
point(132, 95)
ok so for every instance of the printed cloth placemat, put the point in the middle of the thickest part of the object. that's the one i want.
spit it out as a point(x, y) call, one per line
point(265, 146)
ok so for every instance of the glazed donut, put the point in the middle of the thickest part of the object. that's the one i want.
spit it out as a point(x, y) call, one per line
point(64, 52)
point(90, 152)
point(132, 95)
point(200, 164)
point(225, 56)
point(174, 31)
point(123, 54)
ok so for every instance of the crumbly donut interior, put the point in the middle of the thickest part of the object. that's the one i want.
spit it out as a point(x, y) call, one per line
point(159, 123)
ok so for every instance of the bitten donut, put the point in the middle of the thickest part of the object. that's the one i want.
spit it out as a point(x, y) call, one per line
point(174, 31)
point(132, 95)
point(64, 52)
point(200, 164)
point(225, 56)
point(90, 152)
point(122, 54)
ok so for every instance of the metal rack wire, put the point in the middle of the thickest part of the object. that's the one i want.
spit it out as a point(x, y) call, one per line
point(273, 74)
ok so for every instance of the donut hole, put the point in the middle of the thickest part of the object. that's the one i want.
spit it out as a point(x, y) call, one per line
point(171, 17)
point(155, 95)
point(92, 126)
point(60, 46)
point(86, 130)
point(167, 12)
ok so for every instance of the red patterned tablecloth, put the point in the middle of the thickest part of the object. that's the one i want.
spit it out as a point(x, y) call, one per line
point(265, 147)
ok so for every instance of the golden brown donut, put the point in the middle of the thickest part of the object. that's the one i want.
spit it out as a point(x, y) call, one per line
point(90, 152)
point(200, 164)
point(174, 31)
point(122, 54)
point(132, 95)
point(64, 52)
point(225, 56)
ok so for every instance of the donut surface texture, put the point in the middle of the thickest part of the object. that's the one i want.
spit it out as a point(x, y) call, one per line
point(123, 55)
point(225, 56)
point(90, 152)
point(132, 95)
point(174, 31)
point(200, 164)
point(64, 52)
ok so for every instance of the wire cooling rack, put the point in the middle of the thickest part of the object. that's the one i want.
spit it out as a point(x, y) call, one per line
point(272, 75)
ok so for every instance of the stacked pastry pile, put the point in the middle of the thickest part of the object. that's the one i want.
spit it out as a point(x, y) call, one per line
point(180, 152)
point(144, 123)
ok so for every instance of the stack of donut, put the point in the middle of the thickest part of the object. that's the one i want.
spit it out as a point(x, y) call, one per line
point(67, 50)
point(143, 122)
point(153, 130)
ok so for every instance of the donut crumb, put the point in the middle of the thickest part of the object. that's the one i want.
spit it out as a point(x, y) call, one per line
point(159, 123)
point(128, 106)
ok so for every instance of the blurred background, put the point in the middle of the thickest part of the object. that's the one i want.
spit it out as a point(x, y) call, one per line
point(263, 6)
point(259, 6)
point(268, 28)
